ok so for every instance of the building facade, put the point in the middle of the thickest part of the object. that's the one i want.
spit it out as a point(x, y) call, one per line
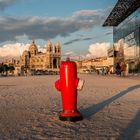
point(95, 64)
point(128, 31)
point(125, 19)
point(33, 61)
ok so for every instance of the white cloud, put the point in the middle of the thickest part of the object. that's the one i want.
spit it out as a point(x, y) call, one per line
point(98, 49)
point(16, 50)
point(43, 50)
point(85, 13)
point(13, 50)
point(69, 53)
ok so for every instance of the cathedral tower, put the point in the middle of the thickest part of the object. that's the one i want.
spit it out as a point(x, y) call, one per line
point(57, 55)
point(57, 48)
point(49, 47)
point(49, 56)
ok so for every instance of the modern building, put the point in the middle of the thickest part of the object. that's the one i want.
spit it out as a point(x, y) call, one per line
point(33, 61)
point(125, 19)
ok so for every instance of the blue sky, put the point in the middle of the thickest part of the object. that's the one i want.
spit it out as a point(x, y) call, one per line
point(77, 24)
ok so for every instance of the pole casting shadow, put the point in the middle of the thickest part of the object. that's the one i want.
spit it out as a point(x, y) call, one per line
point(91, 110)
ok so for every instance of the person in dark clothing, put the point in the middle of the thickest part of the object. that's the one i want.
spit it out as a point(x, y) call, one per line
point(118, 69)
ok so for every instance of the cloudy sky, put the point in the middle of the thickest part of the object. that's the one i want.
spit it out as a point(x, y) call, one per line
point(76, 24)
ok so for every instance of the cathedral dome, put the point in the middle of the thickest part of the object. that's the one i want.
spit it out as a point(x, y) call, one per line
point(33, 48)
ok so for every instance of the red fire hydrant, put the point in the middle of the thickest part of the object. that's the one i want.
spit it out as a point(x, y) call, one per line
point(68, 85)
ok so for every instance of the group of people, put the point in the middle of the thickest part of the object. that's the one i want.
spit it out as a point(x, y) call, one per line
point(104, 71)
point(121, 69)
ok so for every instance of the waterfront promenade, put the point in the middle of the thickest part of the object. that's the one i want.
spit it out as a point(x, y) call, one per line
point(110, 106)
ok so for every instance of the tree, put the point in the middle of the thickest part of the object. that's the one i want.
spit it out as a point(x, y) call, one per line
point(6, 68)
point(11, 69)
point(1, 68)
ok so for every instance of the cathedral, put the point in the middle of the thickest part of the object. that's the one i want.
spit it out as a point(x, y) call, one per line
point(33, 61)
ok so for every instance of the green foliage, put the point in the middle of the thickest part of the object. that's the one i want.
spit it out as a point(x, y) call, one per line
point(4, 68)
point(11, 68)
point(1, 68)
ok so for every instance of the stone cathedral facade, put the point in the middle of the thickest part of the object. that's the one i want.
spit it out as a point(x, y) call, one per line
point(33, 61)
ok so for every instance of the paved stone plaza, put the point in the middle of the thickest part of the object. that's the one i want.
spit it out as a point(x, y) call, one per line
point(29, 109)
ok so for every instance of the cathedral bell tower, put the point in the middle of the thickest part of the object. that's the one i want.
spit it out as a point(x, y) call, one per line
point(57, 55)
point(57, 48)
point(49, 54)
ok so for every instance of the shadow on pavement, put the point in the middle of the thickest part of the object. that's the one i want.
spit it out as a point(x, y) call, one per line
point(131, 130)
point(91, 110)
